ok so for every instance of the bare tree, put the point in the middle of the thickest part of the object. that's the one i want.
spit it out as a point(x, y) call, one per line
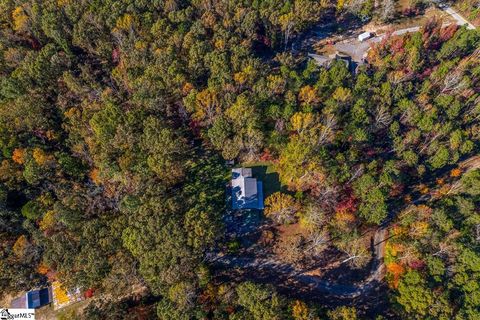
point(327, 129)
point(314, 216)
point(290, 249)
point(318, 242)
point(387, 12)
point(408, 255)
point(326, 196)
point(382, 118)
point(355, 249)
point(446, 247)
point(454, 81)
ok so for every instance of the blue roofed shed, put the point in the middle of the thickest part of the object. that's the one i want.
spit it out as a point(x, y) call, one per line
point(247, 191)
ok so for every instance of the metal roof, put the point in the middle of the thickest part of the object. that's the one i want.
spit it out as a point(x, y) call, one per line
point(247, 192)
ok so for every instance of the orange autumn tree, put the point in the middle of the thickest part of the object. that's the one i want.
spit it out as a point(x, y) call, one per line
point(396, 270)
point(95, 176)
point(455, 172)
point(19, 155)
point(42, 268)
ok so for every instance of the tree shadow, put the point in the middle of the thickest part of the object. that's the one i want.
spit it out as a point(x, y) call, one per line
point(270, 179)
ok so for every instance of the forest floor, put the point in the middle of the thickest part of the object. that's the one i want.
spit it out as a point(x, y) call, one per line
point(326, 278)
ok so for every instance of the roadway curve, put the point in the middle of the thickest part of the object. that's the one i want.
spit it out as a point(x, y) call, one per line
point(455, 15)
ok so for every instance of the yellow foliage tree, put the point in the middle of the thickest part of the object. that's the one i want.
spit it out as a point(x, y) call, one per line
point(276, 83)
point(220, 44)
point(206, 105)
point(300, 310)
point(308, 95)
point(62, 3)
point(394, 248)
point(342, 94)
point(302, 121)
point(240, 77)
point(20, 19)
point(281, 207)
point(40, 156)
point(345, 217)
point(20, 246)
point(418, 229)
point(125, 22)
point(48, 220)
point(286, 21)
point(398, 230)
point(60, 294)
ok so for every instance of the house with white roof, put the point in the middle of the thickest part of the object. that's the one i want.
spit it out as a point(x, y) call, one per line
point(247, 191)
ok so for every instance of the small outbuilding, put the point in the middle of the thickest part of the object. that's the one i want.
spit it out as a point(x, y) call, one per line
point(247, 191)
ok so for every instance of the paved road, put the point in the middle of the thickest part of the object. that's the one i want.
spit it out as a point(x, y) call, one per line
point(455, 15)
point(357, 50)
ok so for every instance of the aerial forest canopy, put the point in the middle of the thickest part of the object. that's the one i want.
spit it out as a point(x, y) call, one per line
point(117, 118)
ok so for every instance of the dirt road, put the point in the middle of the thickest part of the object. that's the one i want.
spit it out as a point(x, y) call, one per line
point(275, 270)
point(270, 270)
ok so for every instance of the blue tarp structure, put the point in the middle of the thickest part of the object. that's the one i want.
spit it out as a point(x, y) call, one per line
point(38, 298)
point(33, 299)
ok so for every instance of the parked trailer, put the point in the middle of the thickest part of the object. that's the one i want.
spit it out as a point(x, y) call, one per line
point(364, 36)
